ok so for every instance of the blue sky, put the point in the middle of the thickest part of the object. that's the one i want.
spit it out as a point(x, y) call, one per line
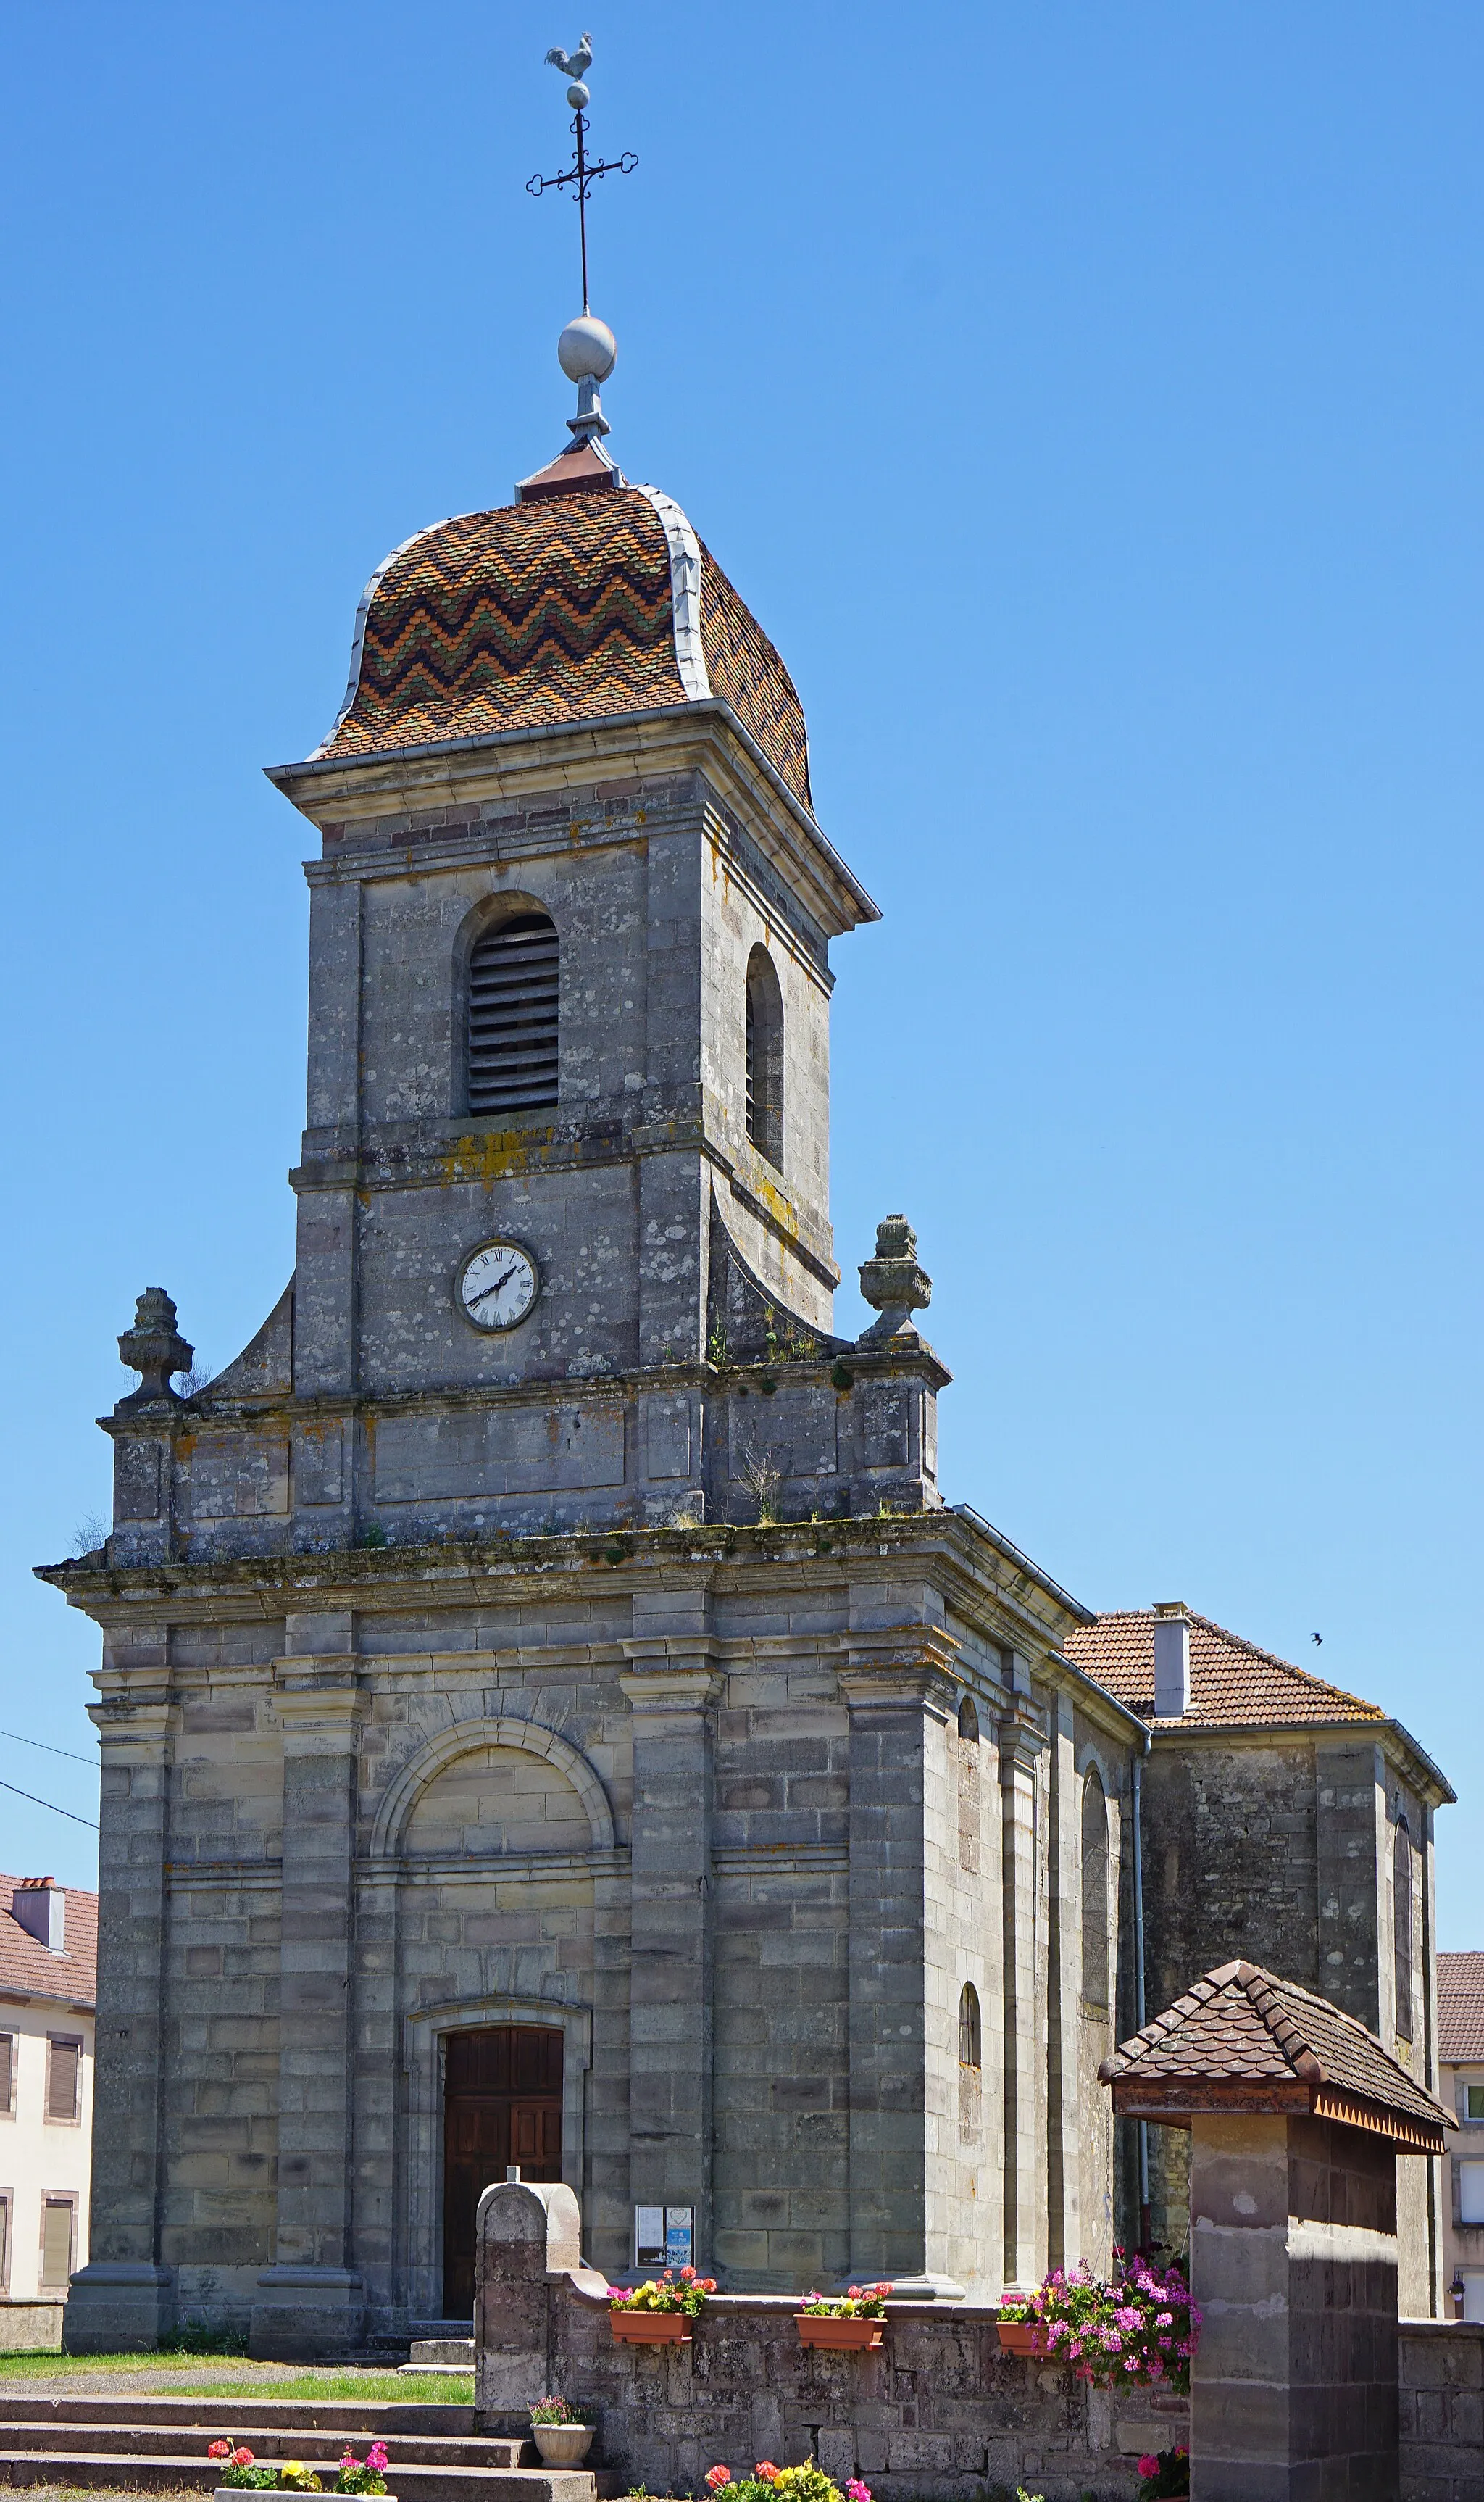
point(1088, 399)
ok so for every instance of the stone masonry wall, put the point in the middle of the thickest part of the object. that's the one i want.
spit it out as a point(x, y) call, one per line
point(939, 2413)
point(1441, 2391)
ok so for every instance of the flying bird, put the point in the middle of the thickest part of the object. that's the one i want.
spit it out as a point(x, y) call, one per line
point(1316, 1638)
point(573, 65)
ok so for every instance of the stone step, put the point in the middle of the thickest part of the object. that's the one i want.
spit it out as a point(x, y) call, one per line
point(215, 2412)
point(160, 2471)
point(314, 2445)
point(441, 2354)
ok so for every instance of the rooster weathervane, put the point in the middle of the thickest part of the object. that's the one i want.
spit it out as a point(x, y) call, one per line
point(582, 173)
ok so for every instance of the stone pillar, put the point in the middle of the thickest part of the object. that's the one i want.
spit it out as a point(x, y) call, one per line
point(526, 2233)
point(1020, 1740)
point(672, 1686)
point(123, 2301)
point(313, 2300)
point(896, 1685)
point(1293, 2266)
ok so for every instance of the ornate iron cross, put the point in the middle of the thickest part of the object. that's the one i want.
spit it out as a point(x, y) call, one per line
point(582, 173)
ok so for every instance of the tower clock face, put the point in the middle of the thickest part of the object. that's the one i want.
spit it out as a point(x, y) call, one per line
point(496, 1285)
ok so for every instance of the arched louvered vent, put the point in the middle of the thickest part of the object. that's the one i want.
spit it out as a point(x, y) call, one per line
point(513, 1017)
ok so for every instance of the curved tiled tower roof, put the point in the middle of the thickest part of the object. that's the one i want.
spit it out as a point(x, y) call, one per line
point(585, 598)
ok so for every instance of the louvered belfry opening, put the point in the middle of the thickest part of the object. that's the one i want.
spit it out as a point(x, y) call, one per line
point(513, 1017)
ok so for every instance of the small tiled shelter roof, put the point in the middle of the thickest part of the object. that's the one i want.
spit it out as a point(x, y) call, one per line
point(1461, 2007)
point(1232, 1684)
point(28, 1968)
point(1243, 2040)
point(571, 605)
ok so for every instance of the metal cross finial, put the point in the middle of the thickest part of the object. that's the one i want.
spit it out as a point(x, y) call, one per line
point(574, 67)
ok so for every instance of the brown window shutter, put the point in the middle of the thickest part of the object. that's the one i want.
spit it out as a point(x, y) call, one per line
point(7, 2070)
point(63, 2081)
point(57, 2242)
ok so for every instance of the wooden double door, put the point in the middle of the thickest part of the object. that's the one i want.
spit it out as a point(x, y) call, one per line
point(501, 2105)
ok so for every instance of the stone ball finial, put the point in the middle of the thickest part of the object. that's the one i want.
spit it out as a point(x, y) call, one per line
point(587, 350)
point(892, 1281)
point(154, 1349)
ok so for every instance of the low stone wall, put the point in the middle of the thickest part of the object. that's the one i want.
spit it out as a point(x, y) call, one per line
point(31, 2327)
point(1441, 2394)
point(939, 2411)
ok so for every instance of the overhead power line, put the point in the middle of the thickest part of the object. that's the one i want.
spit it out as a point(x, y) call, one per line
point(47, 1803)
point(91, 1761)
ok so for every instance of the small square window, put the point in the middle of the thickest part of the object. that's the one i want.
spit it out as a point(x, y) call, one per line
point(1473, 2102)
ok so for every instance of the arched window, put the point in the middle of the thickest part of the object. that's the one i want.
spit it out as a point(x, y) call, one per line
point(765, 1057)
point(969, 1720)
point(513, 1016)
point(1095, 1958)
point(1401, 1920)
point(969, 2047)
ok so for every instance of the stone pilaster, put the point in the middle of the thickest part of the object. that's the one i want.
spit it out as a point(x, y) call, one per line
point(1350, 1853)
point(124, 2299)
point(1020, 1738)
point(1064, 2120)
point(897, 1687)
point(312, 2298)
point(672, 1685)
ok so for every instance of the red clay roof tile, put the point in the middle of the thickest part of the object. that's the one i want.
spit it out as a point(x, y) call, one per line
point(28, 1966)
point(1232, 1683)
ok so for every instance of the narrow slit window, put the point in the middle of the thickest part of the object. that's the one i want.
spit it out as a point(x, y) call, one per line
point(1401, 1915)
point(970, 2053)
point(512, 983)
point(764, 1069)
point(1096, 1957)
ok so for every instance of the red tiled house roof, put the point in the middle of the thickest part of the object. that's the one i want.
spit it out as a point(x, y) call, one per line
point(1241, 2039)
point(1461, 2007)
point(1232, 1683)
point(27, 1967)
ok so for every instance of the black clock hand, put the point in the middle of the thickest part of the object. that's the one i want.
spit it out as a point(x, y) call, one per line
point(485, 1293)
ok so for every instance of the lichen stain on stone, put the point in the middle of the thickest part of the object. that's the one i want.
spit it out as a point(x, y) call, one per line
point(492, 1157)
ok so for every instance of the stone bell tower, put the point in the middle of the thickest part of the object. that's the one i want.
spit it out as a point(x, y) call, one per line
point(548, 1713)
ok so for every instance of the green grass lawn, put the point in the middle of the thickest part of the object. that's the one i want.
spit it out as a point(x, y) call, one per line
point(183, 2376)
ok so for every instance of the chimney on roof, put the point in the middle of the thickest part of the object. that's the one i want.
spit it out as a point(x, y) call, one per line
point(1171, 1660)
point(40, 1908)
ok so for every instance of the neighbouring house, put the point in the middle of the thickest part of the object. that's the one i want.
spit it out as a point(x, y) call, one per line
point(1460, 2070)
point(49, 1959)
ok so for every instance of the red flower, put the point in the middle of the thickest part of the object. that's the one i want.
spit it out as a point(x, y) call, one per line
point(708, 2285)
point(687, 2276)
point(220, 2449)
point(717, 2477)
point(767, 2471)
point(242, 2456)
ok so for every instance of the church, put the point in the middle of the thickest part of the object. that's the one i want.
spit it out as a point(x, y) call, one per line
point(550, 1713)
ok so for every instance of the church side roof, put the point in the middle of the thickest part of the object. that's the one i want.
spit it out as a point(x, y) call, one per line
point(552, 610)
point(1232, 1683)
point(1242, 2037)
point(1461, 2007)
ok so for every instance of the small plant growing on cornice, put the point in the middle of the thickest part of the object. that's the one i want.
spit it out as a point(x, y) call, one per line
point(762, 1480)
point(841, 1377)
point(373, 1534)
point(716, 1343)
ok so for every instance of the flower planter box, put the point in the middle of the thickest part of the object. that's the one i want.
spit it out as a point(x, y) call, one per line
point(651, 2327)
point(562, 2444)
point(1022, 2337)
point(843, 2336)
point(325, 2474)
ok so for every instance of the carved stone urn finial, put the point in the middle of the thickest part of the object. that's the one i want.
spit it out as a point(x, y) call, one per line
point(154, 1348)
point(892, 1281)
